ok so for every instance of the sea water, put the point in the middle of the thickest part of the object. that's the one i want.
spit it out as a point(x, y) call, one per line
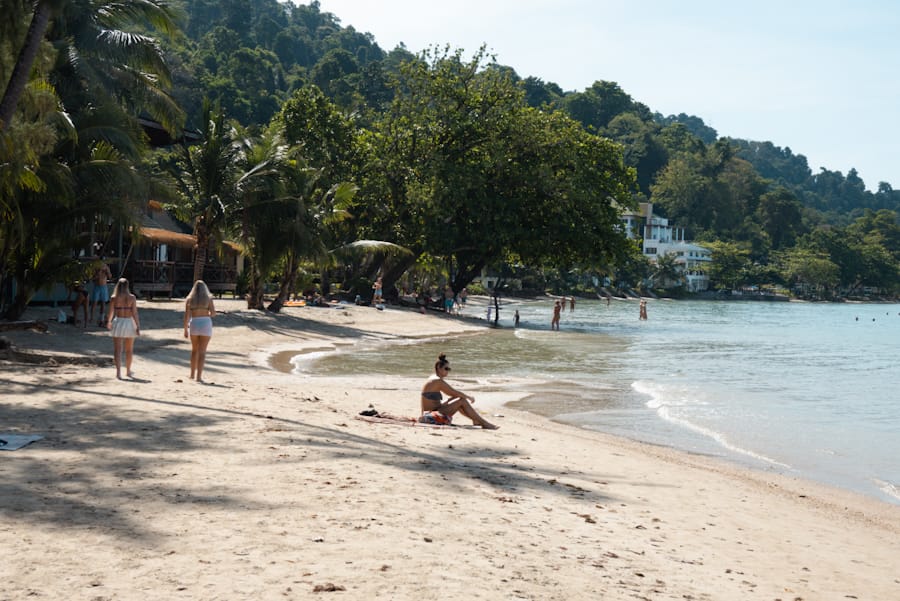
point(811, 390)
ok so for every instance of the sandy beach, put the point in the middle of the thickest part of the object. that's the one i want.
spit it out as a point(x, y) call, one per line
point(261, 484)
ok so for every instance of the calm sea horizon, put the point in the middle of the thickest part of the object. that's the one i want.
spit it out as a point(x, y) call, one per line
point(803, 389)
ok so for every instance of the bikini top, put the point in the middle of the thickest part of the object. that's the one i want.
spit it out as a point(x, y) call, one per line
point(118, 308)
point(432, 395)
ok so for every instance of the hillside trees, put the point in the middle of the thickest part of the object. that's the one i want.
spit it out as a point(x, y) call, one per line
point(642, 147)
point(779, 214)
point(597, 105)
point(863, 254)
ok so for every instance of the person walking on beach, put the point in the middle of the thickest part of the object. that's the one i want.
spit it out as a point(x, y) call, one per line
point(378, 296)
point(557, 309)
point(80, 302)
point(516, 319)
point(439, 412)
point(100, 291)
point(124, 326)
point(198, 313)
point(448, 299)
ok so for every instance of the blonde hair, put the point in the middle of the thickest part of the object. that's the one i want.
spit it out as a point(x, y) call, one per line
point(199, 296)
point(121, 287)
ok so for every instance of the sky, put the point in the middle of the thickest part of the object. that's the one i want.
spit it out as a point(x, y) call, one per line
point(820, 77)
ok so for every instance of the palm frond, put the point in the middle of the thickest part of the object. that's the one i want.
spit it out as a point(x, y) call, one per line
point(360, 247)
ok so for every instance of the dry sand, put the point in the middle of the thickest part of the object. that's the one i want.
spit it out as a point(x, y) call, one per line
point(263, 485)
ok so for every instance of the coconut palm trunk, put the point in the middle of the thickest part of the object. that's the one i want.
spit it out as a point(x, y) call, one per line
point(22, 69)
point(202, 234)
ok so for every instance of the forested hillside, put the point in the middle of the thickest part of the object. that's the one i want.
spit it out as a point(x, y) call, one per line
point(319, 148)
point(251, 56)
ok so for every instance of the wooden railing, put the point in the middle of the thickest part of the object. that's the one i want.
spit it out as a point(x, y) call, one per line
point(169, 277)
point(152, 276)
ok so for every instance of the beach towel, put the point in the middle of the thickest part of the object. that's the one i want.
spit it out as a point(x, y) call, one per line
point(397, 420)
point(11, 442)
point(386, 418)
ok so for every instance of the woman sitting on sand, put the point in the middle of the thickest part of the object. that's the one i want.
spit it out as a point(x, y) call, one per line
point(437, 411)
point(198, 313)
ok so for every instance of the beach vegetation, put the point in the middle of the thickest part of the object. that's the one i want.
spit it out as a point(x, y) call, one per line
point(76, 77)
point(205, 177)
point(321, 152)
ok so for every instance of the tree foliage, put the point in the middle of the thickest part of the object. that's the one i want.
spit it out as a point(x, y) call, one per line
point(325, 139)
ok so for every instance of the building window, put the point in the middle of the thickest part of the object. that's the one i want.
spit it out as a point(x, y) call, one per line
point(651, 250)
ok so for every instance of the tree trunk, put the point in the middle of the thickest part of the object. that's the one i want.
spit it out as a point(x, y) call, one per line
point(202, 250)
point(21, 298)
point(325, 284)
point(288, 277)
point(394, 271)
point(22, 69)
point(496, 299)
point(255, 290)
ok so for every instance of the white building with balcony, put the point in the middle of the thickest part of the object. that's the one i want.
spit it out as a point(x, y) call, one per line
point(659, 238)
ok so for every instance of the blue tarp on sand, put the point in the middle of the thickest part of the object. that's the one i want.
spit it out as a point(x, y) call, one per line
point(11, 442)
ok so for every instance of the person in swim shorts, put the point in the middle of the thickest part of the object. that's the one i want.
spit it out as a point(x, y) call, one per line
point(437, 411)
point(124, 326)
point(100, 291)
point(198, 313)
point(378, 296)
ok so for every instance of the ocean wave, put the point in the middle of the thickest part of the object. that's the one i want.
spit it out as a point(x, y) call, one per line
point(663, 401)
point(891, 490)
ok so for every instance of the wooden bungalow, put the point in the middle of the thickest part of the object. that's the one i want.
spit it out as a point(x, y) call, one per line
point(161, 262)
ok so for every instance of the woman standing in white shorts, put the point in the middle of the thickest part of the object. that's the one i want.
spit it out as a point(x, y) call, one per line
point(198, 313)
point(124, 325)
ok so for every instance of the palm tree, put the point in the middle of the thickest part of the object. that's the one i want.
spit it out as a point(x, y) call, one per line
point(92, 41)
point(206, 175)
point(41, 239)
point(72, 154)
point(286, 219)
point(271, 206)
point(667, 271)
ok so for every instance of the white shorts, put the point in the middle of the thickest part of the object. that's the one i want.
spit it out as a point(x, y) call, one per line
point(200, 326)
point(123, 327)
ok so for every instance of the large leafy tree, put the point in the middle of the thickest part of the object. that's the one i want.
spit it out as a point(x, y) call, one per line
point(328, 142)
point(812, 270)
point(474, 176)
point(599, 104)
point(730, 264)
